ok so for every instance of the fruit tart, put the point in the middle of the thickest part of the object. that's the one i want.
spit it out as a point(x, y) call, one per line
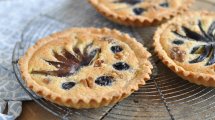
point(186, 45)
point(140, 12)
point(86, 67)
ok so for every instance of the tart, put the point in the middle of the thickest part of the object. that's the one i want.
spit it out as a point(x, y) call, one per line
point(140, 12)
point(186, 45)
point(86, 67)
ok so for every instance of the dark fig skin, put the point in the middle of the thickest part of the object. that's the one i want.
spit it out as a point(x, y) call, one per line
point(208, 38)
point(192, 35)
point(204, 55)
point(68, 64)
point(211, 31)
point(195, 49)
point(211, 61)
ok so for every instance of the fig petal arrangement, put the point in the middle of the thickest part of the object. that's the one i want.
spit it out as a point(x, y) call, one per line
point(186, 45)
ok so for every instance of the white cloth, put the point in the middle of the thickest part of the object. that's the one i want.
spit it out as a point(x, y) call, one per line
point(14, 14)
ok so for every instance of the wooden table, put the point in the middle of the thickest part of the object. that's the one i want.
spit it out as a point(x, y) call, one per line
point(32, 111)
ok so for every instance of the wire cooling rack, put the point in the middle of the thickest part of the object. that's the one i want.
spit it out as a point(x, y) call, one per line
point(165, 96)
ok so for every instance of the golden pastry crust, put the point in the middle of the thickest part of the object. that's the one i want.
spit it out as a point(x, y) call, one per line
point(155, 11)
point(186, 45)
point(40, 63)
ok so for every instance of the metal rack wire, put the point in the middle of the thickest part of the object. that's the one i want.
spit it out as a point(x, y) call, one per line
point(165, 96)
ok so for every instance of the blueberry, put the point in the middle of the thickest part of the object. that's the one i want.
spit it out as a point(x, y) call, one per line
point(68, 85)
point(121, 66)
point(104, 80)
point(116, 49)
point(178, 42)
point(132, 2)
point(164, 4)
point(138, 11)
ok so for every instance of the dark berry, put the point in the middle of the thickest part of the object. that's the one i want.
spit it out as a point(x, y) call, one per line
point(121, 66)
point(104, 80)
point(164, 4)
point(116, 49)
point(132, 2)
point(67, 63)
point(68, 85)
point(138, 11)
point(178, 42)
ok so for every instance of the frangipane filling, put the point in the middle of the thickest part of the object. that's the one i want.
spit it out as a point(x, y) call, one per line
point(99, 61)
point(206, 38)
point(140, 7)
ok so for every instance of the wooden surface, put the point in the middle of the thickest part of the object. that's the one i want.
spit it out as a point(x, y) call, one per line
point(32, 111)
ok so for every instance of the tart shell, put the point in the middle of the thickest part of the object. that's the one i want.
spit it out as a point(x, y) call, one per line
point(140, 21)
point(193, 77)
point(87, 103)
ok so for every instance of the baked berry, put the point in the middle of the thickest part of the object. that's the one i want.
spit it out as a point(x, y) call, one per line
point(116, 49)
point(68, 85)
point(131, 2)
point(104, 80)
point(178, 42)
point(164, 4)
point(138, 11)
point(121, 66)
